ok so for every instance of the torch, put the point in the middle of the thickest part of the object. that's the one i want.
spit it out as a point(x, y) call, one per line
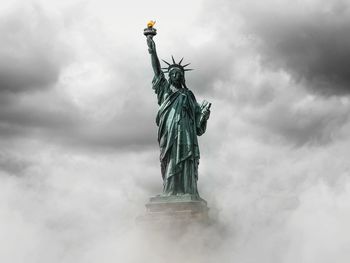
point(150, 31)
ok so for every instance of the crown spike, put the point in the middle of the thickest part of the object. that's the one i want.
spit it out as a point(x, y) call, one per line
point(186, 65)
point(173, 59)
point(166, 62)
point(180, 61)
point(188, 69)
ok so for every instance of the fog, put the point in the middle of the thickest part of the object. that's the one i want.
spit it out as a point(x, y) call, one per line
point(78, 141)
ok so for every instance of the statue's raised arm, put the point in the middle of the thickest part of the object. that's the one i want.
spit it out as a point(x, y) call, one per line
point(149, 32)
point(154, 56)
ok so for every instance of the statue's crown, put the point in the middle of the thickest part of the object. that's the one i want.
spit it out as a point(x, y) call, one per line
point(175, 65)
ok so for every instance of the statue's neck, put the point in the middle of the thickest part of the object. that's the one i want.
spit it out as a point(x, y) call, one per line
point(176, 86)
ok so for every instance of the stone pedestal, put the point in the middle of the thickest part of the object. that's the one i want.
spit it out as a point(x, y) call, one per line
point(176, 210)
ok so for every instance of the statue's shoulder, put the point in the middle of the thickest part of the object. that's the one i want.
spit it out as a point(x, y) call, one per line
point(160, 80)
point(190, 93)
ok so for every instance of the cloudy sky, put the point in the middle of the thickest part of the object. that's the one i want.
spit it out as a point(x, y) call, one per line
point(78, 148)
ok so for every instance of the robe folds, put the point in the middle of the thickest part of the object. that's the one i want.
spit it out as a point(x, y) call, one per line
point(179, 123)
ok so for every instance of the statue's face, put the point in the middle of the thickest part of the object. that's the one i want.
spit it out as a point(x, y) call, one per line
point(175, 75)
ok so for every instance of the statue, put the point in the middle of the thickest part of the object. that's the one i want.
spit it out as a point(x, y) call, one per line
point(180, 120)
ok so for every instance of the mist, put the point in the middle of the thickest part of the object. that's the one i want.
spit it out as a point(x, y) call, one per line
point(78, 141)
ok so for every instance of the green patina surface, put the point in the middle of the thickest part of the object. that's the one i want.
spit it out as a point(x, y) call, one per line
point(180, 120)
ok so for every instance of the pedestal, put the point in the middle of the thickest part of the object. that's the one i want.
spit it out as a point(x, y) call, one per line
point(176, 210)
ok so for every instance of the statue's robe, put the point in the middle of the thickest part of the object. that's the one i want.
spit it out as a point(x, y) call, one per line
point(179, 121)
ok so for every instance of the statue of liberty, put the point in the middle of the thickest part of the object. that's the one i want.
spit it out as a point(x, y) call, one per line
point(180, 120)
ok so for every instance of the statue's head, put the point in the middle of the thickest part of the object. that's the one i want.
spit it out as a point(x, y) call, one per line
point(176, 76)
point(176, 72)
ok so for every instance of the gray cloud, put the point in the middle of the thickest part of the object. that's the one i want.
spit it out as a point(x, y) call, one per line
point(13, 165)
point(30, 50)
point(312, 126)
point(275, 57)
point(227, 70)
point(33, 56)
point(311, 42)
point(56, 120)
point(84, 140)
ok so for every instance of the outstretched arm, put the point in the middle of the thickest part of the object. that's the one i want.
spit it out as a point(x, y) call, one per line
point(154, 57)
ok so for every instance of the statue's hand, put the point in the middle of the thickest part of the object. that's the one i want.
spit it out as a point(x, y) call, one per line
point(151, 45)
point(206, 113)
point(205, 109)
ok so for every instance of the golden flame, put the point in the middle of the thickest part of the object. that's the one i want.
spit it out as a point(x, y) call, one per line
point(151, 23)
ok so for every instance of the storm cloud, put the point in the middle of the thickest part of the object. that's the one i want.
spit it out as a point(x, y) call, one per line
point(308, 39)
point(78, 140)
point(32, 54)
point(38, 68)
